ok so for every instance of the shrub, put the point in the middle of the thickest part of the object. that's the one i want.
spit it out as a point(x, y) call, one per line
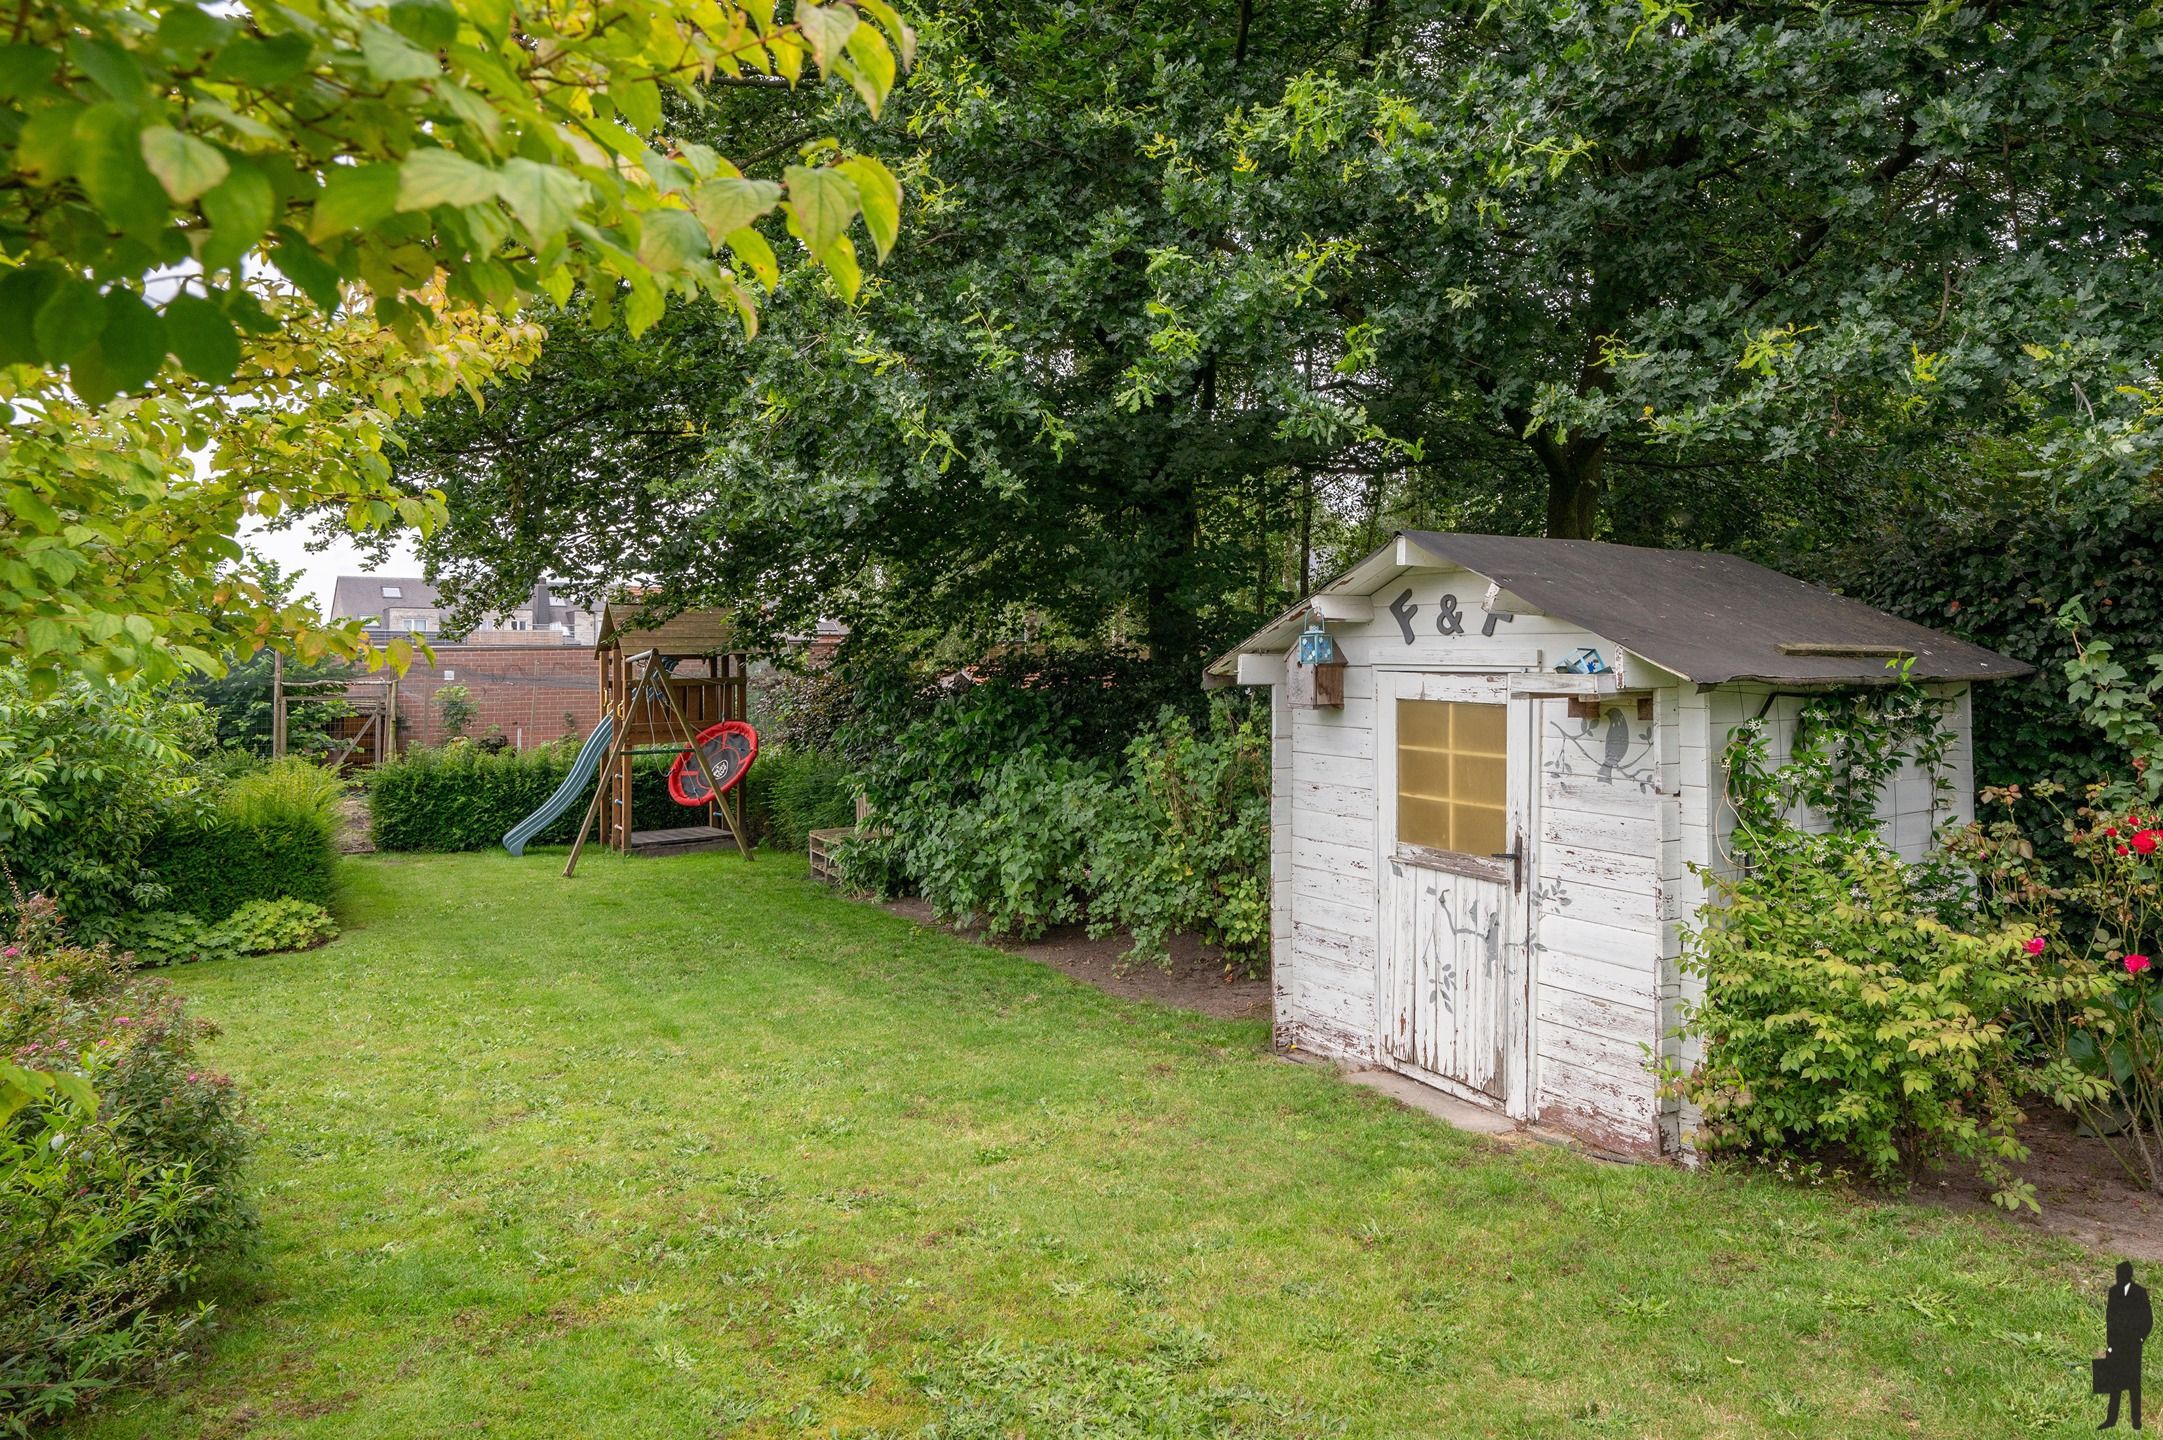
point(462, 798)
point(88, 774)
point(258, 927)
point(112, 1203)
point(1853, 1003)
point(454, 703)
point(1187, 846)
point(790, 793)
point(2101, 919)
point(210, 865)
point(1177, 839)
point(291, 790)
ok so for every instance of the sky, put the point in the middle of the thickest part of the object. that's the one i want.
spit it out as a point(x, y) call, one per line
point(319, 572)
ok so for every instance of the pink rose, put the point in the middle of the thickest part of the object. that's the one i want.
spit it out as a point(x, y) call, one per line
point(2134, 964)
point(12, 951)
point(2034, 945)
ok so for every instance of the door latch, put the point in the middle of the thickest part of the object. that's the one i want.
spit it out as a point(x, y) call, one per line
point(1516, 856)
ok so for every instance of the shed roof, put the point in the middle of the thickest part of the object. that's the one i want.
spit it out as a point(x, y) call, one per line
point(1709, 618)
point(688, 632)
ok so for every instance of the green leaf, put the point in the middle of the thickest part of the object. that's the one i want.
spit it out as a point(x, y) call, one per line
point(202, 338)
point(46, 148)
point(639, 103)
point(184, 165)
point(823, 202)
point(128, 353)
point(110, 68)
point(880, 195)
point(434, 176)
point(874, 67)
point(839, 259)
point(355, 197)
point(310, 272)
point(645, 306)
point(826, 28)
point(904, 38)
point(430, 24)
point(68, 322)
point(109, 162)
point(239, 212)
point(545, 198)
point(189, 32)
point(755, 255)
point(23, 292)
point(391, 57)
point(263, 61)
point(669, 238)
point(25, 68)
point(727, 205)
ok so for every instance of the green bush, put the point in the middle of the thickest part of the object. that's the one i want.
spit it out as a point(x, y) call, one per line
point(88, 774)
point(1176, 840)
point(292, 789)
point(112, 1204)
point(462, 798)
point(1187, 847)
point(1856, 1008)
point(791, 793)
point(211, 865)
point(258, 927)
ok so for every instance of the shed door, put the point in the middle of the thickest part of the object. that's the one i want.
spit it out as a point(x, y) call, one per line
point(1455, 769)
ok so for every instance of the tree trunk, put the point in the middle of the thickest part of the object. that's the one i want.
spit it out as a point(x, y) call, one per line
point(1574, 487)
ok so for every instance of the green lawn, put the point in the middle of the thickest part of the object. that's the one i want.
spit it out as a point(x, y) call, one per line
point(687, 1148)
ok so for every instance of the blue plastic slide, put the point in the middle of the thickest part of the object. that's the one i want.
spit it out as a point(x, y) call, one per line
point(569, 793)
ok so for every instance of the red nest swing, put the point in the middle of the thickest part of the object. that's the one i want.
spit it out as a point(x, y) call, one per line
point(729, 748)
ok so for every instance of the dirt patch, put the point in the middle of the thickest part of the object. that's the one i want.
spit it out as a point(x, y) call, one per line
point(2085, 1194)
point(353, 837)
point(1196, 979)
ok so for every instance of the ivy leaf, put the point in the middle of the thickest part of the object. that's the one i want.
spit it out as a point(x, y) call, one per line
point(880, 194)
point(109, 162)
point(727, 205)
point(435, 176)
point(202, 338)
point(823, 202)
point(355, 197)
point(184, 165)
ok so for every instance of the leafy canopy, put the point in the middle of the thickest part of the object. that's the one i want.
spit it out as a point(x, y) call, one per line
point(267, 232)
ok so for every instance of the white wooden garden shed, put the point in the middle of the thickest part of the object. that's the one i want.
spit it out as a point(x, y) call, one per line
point(1481, 859)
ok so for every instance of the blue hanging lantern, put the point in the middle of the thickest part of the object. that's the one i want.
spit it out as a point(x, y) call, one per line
point(1315, 646)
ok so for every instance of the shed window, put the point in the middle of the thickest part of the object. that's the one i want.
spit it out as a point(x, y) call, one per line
point(1452, 776)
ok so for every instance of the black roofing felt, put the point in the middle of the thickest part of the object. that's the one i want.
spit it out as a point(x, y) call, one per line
point(1711, 618)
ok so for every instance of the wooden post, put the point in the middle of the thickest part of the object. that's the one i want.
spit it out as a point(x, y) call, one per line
point(277, 705)
point(617, 743)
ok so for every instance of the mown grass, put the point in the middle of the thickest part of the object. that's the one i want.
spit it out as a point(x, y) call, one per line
point(687, 1148)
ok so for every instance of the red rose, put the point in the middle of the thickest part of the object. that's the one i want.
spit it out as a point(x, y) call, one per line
point(2144, 842)
point(2134, 964)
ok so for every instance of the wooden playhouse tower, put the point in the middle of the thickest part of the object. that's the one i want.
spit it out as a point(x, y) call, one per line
point(662, 683)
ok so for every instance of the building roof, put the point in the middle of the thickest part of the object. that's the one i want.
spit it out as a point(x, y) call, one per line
point(1706, 617)
point(360, 597)
point(689, 632)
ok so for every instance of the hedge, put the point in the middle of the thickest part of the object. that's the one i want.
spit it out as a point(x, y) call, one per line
point(462, 798)
point(213, 864)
